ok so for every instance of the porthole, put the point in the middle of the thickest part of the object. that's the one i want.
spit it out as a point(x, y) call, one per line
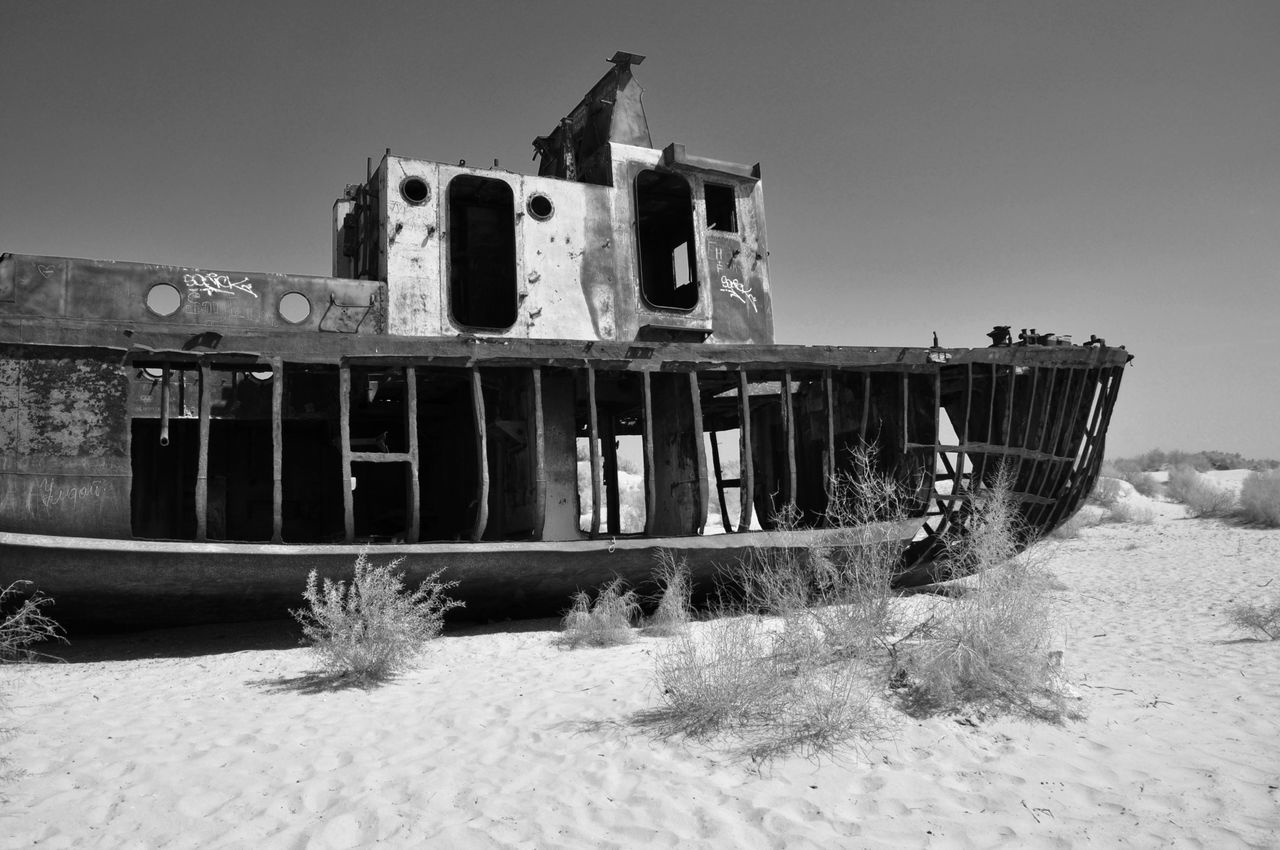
point(540, 207)
point(294, 307)
point(415, 190)
point(164, 299)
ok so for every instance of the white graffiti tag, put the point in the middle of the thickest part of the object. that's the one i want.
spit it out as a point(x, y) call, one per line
point(735, 289)
point(199, 284)
point(51, 495)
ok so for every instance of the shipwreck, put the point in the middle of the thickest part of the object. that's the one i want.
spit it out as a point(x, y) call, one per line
point(533, 382)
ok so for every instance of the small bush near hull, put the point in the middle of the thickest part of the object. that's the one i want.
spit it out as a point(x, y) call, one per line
point(604, 622)
point(674, 610)
point(23, 625)
point(372, 628)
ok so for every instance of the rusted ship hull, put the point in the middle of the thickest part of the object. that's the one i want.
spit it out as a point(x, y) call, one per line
point(482, 476)
point(110, 585)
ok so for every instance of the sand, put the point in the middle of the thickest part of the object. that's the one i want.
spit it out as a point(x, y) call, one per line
point(217, 737)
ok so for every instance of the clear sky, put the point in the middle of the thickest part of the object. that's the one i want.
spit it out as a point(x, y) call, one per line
point(1078, 167)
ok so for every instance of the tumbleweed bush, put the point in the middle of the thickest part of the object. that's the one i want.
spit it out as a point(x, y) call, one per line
point(1257, 617)
point(674, 609)
point(24, 623)
point(794, 660)
point(991, 646)
point(729, 680)
point(1201, 497)
point(23, 626)
point(605, 621)
point(1260, 498)
point(373, 627)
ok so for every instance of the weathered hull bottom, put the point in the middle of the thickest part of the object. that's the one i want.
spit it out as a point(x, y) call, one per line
point(120, 585)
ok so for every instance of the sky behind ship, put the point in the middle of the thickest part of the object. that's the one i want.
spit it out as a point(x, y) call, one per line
point(1080, 168)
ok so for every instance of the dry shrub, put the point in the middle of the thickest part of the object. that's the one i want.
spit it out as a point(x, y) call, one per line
point(988, 648)
point(1260, 498)
point(1257, 617)
point(796, 658)
point(1071, 527)
point(24, 624)
point(729, 680)
point(604, 622)
point(1106, 492)
point(674, 609)
point(1129, 513)
point(372, 628)
point(1201, 498)
point(1134, 472)
point(839, 593)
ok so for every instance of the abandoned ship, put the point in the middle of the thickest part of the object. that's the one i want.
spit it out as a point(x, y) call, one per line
point(492, 354)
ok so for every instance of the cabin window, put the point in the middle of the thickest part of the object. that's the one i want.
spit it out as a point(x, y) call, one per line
point(415, 190)
point(540, 207)
point(664, 224)
point(482, 252)
point(294, 307)
point(163, 299)
point(722, 213)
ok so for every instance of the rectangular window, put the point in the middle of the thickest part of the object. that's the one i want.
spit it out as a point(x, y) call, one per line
point(482, 252)
point(722, 213)
point(664, 225)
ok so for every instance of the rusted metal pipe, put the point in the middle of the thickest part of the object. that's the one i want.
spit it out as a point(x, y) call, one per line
point(164, 406)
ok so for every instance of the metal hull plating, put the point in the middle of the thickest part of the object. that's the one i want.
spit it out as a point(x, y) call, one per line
point(947, 419)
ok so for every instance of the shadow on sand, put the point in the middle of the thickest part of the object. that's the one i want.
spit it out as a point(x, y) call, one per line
point(224, 638)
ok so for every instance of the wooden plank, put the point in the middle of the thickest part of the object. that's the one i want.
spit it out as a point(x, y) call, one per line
point(202, 462)
point(789, 432)
point(1037, 472)
point(700, 517)
point(277, 450)
point(482, 454)
point(746, 492)
point(964, 438)
point(720, 483)
point(996, 449)
point(381, 457)
point(866, 409)
point(596, 471)
point(650, 497)
point(382, 350)
point(413, 532)
point(344, 438)
point(164, 404)
point(829, 472)
point(937, 413)
point(609, 446)
point(1062, 476)
point(539, 457)
point(1049, 476)
point(906, 410)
